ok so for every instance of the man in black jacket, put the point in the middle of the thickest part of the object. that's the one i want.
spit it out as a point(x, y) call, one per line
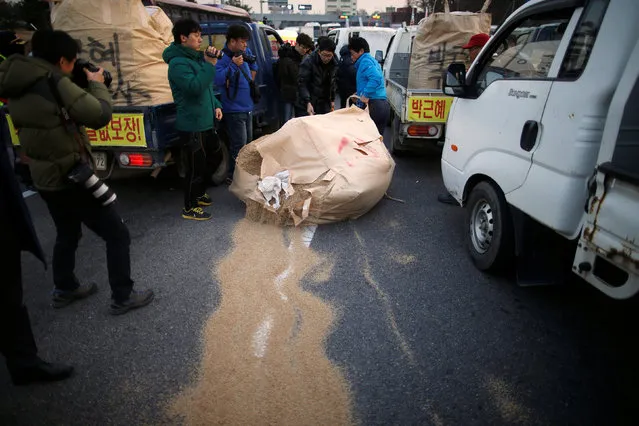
point(16, 338)
point(346, 76)
point(317, 84)
point(288, 71)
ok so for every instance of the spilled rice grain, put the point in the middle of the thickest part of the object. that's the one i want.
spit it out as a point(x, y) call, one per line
point(264, 358)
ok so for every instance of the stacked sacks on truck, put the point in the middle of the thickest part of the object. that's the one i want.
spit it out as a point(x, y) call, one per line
point(438, 43)
point(125, 38)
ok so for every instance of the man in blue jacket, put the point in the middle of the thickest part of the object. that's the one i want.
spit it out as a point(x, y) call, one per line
point(370, 82)
point(235, 72)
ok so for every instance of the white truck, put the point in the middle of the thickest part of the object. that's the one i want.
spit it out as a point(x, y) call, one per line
point(377, 38)
point(411, 130)
point(542, 144)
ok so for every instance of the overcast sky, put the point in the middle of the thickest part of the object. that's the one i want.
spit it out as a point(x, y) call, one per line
point(318, 5)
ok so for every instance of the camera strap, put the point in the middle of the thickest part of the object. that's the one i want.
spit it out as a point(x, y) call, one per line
point(69, 124)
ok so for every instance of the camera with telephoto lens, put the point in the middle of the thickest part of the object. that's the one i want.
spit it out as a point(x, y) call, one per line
point(80, 78)
point(83, 175)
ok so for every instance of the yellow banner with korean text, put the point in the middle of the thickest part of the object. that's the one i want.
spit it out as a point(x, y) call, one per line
point(122, 130)
point(429, 109)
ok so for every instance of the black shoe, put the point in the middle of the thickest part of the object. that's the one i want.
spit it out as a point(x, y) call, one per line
point(196, 213)
point(204, 200)
point(62, 298)
point(40, 372)
point(137, 299)
point(447, 199)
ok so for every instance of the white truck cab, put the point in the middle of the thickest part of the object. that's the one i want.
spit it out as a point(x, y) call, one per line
point(543, 136)
point(377, 38)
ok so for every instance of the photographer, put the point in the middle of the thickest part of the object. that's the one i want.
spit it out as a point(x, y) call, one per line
point(235, 77)
point(191, 74)
point(50, 113)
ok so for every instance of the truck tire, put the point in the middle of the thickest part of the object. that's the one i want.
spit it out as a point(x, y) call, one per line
point(489, 228)
point(394, 139)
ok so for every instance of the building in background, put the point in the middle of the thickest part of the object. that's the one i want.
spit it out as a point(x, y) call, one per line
point(344, 7)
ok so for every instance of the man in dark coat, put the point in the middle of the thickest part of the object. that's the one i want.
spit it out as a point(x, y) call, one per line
point(317, 81)
point(346, 76)
point(16, 338)
point(288, 71)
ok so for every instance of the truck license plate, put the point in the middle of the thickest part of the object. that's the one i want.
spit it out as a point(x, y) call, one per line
point(100, 160)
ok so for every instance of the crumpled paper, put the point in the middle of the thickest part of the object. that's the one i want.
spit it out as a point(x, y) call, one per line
point(272, 186)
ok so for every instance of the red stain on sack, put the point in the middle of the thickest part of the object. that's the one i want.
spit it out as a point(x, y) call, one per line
point(342, 145)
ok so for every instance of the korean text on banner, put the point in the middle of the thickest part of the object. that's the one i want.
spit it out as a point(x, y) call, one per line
point(125, 38)
point(431, 109)
point(122, 130)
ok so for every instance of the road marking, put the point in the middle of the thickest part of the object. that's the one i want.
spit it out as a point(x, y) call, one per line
point(308, 233)
point(307, 237)
point(28, 193)
point(370, 279)
point(261, 335)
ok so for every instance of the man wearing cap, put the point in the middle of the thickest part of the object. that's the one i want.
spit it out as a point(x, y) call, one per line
point(474, 46)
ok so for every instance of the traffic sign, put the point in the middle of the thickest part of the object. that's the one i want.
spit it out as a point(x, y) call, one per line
point(304, 7)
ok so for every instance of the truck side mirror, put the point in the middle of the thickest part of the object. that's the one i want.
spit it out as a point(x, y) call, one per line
point(455, 82)
point(379, 56)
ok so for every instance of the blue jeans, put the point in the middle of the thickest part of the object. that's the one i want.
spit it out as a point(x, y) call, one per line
point(239, 126)
point(289, 112)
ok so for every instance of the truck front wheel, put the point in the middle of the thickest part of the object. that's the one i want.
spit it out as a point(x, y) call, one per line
point(490, 228)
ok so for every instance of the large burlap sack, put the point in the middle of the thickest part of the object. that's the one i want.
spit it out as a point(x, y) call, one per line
point(338, 168)
point(438, 43)
point(124, 38)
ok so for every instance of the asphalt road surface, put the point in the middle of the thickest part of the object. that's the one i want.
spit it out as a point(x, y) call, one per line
point(419, 335)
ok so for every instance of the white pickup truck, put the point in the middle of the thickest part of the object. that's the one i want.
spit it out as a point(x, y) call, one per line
point(542, 144)
point(418, 116)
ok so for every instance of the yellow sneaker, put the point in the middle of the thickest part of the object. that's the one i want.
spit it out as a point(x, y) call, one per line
point(204, 200)
point(195, 213)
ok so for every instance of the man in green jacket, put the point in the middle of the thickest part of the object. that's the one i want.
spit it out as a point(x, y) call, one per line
point(191, 75)
point(55, 149)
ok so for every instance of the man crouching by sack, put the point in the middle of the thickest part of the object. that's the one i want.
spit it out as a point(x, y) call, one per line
point(50, 112)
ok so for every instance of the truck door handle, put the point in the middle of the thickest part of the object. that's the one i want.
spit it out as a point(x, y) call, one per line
point(529, 135)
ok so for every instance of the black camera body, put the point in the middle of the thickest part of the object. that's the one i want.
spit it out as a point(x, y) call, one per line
point(80, 78)
point(218, 56)
point(249, 59)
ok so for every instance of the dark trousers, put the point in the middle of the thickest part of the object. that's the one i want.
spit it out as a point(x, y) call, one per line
point(343, 98)
point(239, 127)
point(69, 209)
point(16, 338)
point(379, 110)
point(203, 155)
